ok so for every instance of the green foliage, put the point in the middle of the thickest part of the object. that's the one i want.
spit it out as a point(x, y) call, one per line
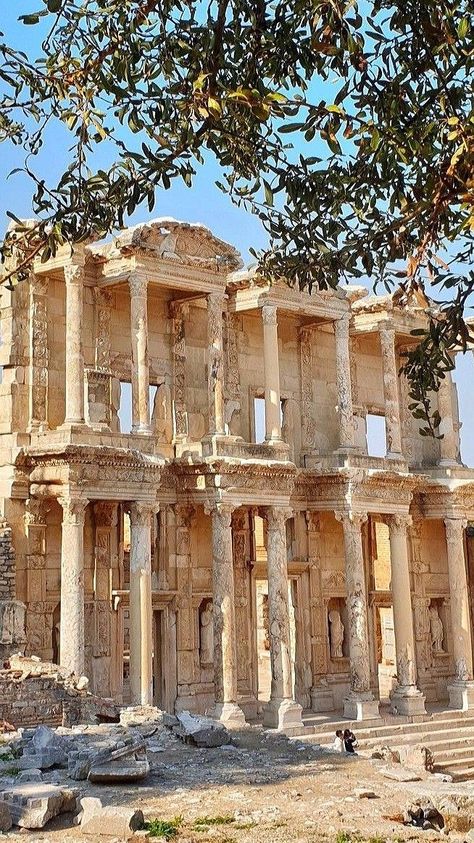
point(164, 828)
point(381, 184)
point(206, 821)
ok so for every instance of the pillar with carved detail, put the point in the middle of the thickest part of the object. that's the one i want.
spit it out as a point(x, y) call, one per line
point(74, 279)
point(359, 703)
point(281, 711)
point(406, 698)
point(272, 374)
point(141, 675)
point(393, 428)
point(461, 690)
point(72, 584)
point(180, 415)
point(140, 369)
point(215, 373)
point(39, 354)
point(343, 383)
point(225, 650)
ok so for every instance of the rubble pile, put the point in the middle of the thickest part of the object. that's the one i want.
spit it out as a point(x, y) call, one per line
point(423, 814)
point(33, 691)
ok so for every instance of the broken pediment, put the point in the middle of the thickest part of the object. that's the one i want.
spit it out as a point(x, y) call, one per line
point(171, 240)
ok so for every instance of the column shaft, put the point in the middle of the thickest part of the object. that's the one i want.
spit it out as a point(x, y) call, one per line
point(461, 692)
point(39, 353)
point(225, 650)
point(179, 373)
point(272, 374)
point(215, 380)
point(72, 584)
point(141, 644)
point(74, 279)
point(406, 698)
point(449, 443)
point(360, 703)
point(390, 387)
point(343, 383)
point(140, 368)
point(282, 710)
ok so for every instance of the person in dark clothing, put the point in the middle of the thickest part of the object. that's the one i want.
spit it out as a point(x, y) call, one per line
point(350, 741)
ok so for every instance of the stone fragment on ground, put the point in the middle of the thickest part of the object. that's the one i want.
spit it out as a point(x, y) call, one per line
point(129, 764)
point(364, 793)
point(399, 774)
point(112, 821)
point(201, 731)
point(33, 804)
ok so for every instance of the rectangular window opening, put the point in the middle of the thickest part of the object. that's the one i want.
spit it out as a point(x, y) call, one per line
point(259, 420)
point(152, 390)
point(125, 407)
point(376, 438)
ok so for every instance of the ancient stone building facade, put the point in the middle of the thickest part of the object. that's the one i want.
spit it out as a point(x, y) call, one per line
point(192, 559)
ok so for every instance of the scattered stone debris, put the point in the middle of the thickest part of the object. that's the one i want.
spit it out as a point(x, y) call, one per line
point(201, 731)
point(423, 814)
point(32, 805)
point(364, 793)
point(385, 753)
point(137, 715)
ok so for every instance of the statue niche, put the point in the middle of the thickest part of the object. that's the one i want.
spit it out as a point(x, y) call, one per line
point(206, 634)
point(336, 634)
point(436, 630)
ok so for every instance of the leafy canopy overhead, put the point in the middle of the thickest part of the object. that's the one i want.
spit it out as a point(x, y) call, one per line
point(375, 178)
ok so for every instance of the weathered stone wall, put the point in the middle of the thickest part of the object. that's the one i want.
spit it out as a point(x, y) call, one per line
point(7, 563)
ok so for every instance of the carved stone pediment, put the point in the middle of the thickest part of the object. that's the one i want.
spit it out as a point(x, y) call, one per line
point(170, 240)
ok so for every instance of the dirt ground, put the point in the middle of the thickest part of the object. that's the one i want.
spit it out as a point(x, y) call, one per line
point(262, 789)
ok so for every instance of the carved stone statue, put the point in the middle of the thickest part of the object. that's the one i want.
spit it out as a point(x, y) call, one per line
point(437, 630)
point(206, 633)
point(336, 634)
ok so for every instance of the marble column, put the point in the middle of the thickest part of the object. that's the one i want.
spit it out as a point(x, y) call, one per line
point(461, 691)
point(74, 279)
point(72, 584)
point(406, 698)
point(448, 445)
point(343, 383)
point(281, 711)
point(141, 644)
point(39, 354)
point(140, 369)
point(308, 424)
point(215, 370)
point(359, 703)
point(225, 648)
point(272, 374)
point(390, 388)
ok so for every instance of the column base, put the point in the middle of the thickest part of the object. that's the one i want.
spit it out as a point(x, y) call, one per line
point(407, 700)
point(282, 714)
point(461, 695)
point(361, 707)
point(229, 714)
point(140, 431)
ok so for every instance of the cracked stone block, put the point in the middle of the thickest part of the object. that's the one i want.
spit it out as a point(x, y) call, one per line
point(128, 764)
point(33, 804)
point(112, 821)
point(201, 731)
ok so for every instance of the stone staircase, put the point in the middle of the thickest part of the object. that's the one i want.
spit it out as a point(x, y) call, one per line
point(449, 735)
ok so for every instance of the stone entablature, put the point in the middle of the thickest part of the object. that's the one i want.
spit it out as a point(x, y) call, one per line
point(185, 535)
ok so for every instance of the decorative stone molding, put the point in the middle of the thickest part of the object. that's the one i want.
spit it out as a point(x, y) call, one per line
point(215, 373)
point(138, 285)
point(269, 314)
point(103, 302)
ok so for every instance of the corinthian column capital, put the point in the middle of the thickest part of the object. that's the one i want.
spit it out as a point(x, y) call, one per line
point(74, 509)
point(399, 522)
point(351, 521)
point(141, 512)
point(454, 528)
point(269, 314)
point(73, 274)
point(138, 284)
point(277, 516)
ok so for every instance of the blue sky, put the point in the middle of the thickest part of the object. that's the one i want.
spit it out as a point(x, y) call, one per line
point(203, 203)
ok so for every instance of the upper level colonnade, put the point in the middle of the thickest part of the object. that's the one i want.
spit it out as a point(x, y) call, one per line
point(326, 344)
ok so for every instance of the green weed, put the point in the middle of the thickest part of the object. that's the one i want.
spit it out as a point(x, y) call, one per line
point(164, 828)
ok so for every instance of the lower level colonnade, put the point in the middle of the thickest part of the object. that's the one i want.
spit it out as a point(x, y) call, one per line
point(347, 635)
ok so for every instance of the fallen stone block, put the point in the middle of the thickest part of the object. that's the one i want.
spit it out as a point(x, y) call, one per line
point(137, 715)
point(32, 804)
point(385, 753)
point(5, 817)
point(399, 774)
point(129, 764)
point(33, 775)
point(201, 731)
point(88, 806)
point(44, 759)
point(120, 823)
point(423, 814)
point(416, 757)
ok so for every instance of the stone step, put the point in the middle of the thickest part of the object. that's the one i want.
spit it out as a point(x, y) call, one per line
point(395, 733)
point(447, 754)
point(461, 774)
